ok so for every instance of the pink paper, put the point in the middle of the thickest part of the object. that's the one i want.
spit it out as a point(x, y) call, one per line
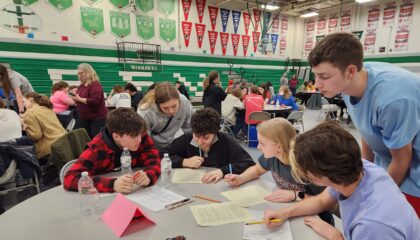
point(120, 214)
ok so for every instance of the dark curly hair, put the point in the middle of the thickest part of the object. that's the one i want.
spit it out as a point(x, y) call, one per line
point(205, 121)
point(125, 121)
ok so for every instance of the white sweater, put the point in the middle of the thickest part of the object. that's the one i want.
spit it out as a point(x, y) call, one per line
point(229, 107)
point(10, 125)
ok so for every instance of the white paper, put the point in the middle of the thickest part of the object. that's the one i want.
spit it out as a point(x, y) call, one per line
point(260, 232)
point(154, 198)
point(247, 196)
point(215, 214)
point(186, 175)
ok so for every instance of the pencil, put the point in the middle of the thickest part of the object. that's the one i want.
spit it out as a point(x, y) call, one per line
point(206, 198)
point(276, 220)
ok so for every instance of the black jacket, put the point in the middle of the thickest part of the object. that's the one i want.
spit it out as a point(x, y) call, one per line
point(222, 152)
point(184, 91)
point(213, 97)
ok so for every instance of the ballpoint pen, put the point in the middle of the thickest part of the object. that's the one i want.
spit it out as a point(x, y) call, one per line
point(176, 203)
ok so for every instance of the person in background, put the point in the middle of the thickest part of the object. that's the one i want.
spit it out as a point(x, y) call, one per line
point(118, 97)
point(40, 123)
point(90, 101)
point(181, 88)
point(285, 98)
point(60, 98)
point(253, 102)
point(292, 85)
point(311, 86)
point(371, 205)
point(230, 86)
point(124, 129)
point(383, 102)
point(270, 88)
point(10, 124)
point(264, 92)
point(213, 92)
point(136, 95)
point(283, 80)
point(3, 96)
point(230, 106)
point(244, 90)
point(12, 81)
point(301, 93)
point(165, 111)
point(73, 90)
point(208, 147)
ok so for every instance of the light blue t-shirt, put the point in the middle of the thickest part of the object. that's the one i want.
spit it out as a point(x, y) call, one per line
point(377, 209)
point(388, 117)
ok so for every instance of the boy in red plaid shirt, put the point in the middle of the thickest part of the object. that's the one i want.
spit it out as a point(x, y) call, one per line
point(124, 129)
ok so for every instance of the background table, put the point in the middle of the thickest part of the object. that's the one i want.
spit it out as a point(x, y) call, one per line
point(280, 111)
point(55, 214)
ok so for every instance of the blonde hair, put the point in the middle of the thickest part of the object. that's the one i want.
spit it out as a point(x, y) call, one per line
point(91, 75)
point(279, 131)
point(297, 173)
point(286, 91)
point(147, 100)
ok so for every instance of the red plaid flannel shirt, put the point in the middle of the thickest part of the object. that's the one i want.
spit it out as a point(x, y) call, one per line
point(98, 159)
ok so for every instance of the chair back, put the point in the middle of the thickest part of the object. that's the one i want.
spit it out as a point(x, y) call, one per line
point(259, 116)
point(295, 116)
point(71, 124)
point(65, 169)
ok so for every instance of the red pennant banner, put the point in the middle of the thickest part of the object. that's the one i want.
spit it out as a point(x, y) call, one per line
point(224, 39)
point(213, 11)
point(186, 29)
point(201, 4)
point(257, 18)
point(200, 30)
point(186, 5)
point(275, 24)
point(245, 43)
point(235, 42)
point(247, 21)
point(255, 39)
point(212, 40)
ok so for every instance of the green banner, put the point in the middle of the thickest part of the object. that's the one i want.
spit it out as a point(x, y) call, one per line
point(145, 27)
point(144, 5)
point(142, 67)
point(92, 20)
point(166, 7)
point(120, 4)
point(318, 38)
point(358, 34)
point(120, 23)
point(167, 29)
point(61, 5)
point(24, 2)
point(91, 2)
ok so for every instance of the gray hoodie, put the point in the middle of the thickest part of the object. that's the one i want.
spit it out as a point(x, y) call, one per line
point(156, 121)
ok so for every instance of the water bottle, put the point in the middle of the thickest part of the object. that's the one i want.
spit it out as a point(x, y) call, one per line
point(278, 103)
point(126, 162)
point(86, 198)
point(166, 169)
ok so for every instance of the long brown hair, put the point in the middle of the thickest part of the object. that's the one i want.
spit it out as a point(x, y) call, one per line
point(5, 81)
point(162, 93)
point(40, 99)
point(209, 80)
point(59, 86)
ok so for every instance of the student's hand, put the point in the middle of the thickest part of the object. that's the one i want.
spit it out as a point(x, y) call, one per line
point(272, 102)
point(193, 162)
point(141, 179)
point(213, 176)
point(233, 180)
point(323, 228)
point(124, 184)
point(281, 195)
point(272, 214)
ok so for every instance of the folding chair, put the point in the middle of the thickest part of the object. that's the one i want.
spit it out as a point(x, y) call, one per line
point(8, 179)
point(296, 118)
point(65, 169)
point(226, 125)
point(327, 110)
point(256, 117)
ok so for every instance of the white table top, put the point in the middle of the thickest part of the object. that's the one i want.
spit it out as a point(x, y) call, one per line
point(269, 107)
point(55, 214)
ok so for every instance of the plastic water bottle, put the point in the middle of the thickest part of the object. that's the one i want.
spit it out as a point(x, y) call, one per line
point(126, 162)
point(87, 199)
point(166, 170)
point(278, 103)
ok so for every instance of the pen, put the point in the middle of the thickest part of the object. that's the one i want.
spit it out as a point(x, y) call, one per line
point(276, 220)
point(136, 175)
point(176, 203)
point(206, 198)
point(230, 168)
point(180, 204)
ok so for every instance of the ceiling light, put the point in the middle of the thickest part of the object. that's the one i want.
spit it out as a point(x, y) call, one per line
point(309, 14)
point(364, 1)
point(269, 7)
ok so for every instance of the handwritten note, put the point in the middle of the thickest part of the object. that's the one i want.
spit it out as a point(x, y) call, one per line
point(219, 213)
point(155, 198)
point(247, 196)
point(186, 175)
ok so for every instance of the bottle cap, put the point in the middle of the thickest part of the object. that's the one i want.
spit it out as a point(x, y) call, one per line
point(166, 155)
point(84, 174)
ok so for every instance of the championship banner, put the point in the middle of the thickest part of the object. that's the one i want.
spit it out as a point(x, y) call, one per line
point(322, 24)
point(310, 28)
point(186, 6)
point(247, 21)
point(406, 12)
point(235, 42)
point(120, 23)
point(401, 37)
point(224, 39)
point(245, 43)
point(255, 39)
point(346, 20)
point(166, 7)
point(201, 4)
point(60, 5)
point(283, 44)
point(27, 2)
point(370, 40)
point(144, 5)
point(92, 20)
point(284, 25)
point(263, 45)
point(120, 4)
point(333, 22)
point(167, 29)
point(275, 24)
point(373, 16)
point(257, 18)
point(213, 11)
point(200, 30)
point(224, 14)
point(145, 27)
point(309, 44)
point(390, 10)
point(274, 39)
point(186, 30)
point(266, 21)
point(92, 2)
point(212, 40)
point(20, 19)
point(236, 16)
